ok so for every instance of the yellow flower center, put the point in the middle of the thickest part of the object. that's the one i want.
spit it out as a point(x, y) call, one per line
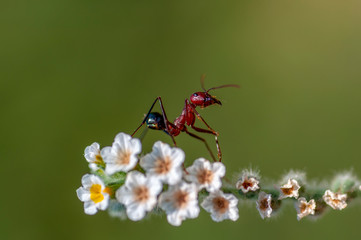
point(98, 159)
point(108, 190)
point(96, 193)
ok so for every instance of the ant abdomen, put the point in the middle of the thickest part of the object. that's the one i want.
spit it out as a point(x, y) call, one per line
point(155, 121)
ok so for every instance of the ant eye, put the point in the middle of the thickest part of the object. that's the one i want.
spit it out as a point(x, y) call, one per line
point(195, 94)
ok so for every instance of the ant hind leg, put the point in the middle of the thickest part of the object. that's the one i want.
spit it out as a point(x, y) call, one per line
point(215, 137)
point(203, 140)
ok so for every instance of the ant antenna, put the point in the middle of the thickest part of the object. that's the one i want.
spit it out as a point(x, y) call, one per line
point(223, 86)
point(227, 85)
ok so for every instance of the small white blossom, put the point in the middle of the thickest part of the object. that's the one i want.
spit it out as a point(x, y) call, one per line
point(247, 184)
point(92, 155)
point(264, 205)
point(305, 208)
point(138, 194)
point(248, 181)
point(122, 155)
point(93, 193)
point(290, 189)
point(335, 200)
point(164, 163)
point(180, 202)
point(221, 206)
point(205, 174)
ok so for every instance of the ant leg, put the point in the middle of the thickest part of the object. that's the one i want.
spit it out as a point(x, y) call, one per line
point(165, 119)
point(215, 137)
point(205, 123)
point(203, 140)
point(210, 131)
point(175, 144)
point(146, 117)
point(166, 122)
point(202, 130)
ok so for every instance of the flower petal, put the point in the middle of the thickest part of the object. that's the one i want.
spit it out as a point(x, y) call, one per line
point(135, 212)
point(90, 208)
point(86, 181)
point(83, 195)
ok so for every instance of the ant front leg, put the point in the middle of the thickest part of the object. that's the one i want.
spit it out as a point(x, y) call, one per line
point(165, 119)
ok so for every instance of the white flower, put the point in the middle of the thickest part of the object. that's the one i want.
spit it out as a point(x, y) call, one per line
point(264, 205)
point(180, 202)
point(305, 208)
point(138, 194)
point(335, 200)
point(92, 155)
point(122, 155)
point(93, 193)
point(249, 180)
point(290, 189)
point(247, 184)
point(164, 163)
point(221, 206)
point(205, 174)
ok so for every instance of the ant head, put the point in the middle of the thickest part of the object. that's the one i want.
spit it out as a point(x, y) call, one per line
point(204, 99)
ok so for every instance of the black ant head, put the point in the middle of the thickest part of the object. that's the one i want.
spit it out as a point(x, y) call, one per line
point(155, 121)
point(204, 99)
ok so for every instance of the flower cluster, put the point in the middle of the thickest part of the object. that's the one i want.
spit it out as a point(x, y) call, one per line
point(132, 186)
point(268, 199)
point(158, 180)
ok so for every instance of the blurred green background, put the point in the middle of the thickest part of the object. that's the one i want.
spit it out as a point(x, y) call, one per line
point(75, 72)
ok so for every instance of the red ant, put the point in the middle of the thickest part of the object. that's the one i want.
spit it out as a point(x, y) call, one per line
point(157, 121)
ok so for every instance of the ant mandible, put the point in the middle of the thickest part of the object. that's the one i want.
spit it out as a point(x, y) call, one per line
point(158, 121)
